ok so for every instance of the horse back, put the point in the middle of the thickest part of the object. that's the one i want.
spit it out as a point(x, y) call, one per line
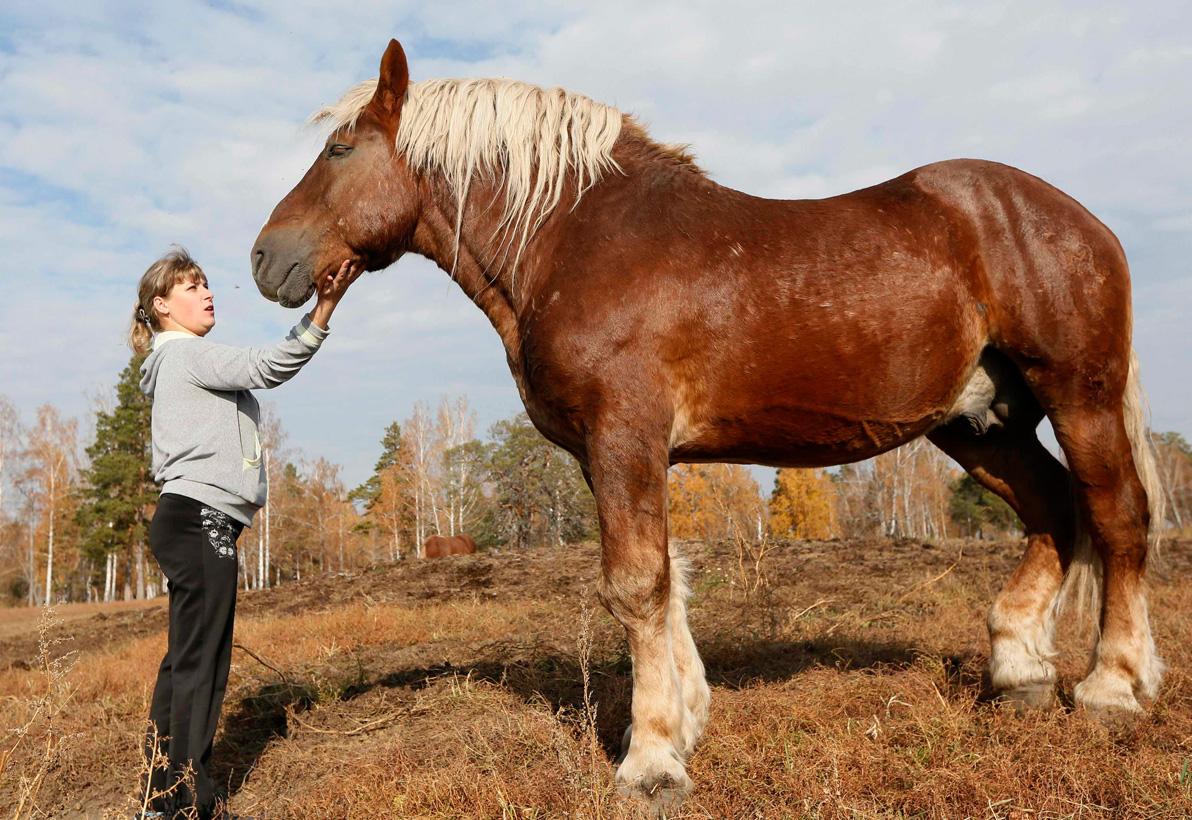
point(801, 332)
point(440, 546)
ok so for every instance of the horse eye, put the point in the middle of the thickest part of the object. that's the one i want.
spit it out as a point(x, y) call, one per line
point(338, 150)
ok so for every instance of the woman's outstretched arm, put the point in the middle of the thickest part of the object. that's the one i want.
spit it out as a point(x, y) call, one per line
point(223, 367)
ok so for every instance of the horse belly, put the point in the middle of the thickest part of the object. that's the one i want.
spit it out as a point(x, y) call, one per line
point(794, 408)
point(794, 437)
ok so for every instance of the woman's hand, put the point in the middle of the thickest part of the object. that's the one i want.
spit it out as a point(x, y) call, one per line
point(331, 289)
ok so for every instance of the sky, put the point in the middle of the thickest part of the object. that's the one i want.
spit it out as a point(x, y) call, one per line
point(127, 127)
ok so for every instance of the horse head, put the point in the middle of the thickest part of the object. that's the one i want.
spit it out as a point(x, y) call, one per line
point(359, 200)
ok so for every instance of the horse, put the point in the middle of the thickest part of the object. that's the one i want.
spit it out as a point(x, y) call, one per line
point(440, 546)
point(651, 316)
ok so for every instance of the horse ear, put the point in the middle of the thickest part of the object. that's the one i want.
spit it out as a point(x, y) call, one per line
point(391, 85)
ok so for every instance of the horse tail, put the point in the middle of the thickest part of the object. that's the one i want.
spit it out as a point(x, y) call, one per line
point(1082, 584)
point(1136, 411)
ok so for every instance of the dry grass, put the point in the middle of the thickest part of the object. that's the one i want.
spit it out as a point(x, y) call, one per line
point(22, 620)
point(848, 684)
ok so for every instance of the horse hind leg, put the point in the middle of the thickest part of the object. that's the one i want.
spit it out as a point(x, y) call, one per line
point(1104, 440)
point(1014, 465)
point(992, 435)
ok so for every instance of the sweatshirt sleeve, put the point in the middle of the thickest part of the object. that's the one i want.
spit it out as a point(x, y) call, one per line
point(222, 367)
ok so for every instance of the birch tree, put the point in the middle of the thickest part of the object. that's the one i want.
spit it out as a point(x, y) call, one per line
point(455, 427)
point(273, 439)
point(51, 460)
point(424, 459)
point(11, 530)
point(1173, 458)
point(713, 501)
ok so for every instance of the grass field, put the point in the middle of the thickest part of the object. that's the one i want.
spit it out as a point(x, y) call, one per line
point(847, 683)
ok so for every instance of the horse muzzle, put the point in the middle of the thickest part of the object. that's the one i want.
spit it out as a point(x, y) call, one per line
point(282, 271)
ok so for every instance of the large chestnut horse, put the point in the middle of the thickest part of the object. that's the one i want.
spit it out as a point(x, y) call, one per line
point(651, 316)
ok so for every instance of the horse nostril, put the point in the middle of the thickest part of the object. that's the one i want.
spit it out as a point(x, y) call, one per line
point(258, 261)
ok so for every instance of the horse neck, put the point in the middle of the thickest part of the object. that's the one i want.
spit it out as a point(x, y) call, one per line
point(486, 262)
point(485, 275)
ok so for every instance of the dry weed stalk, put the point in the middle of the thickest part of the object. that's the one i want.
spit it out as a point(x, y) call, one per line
point(590, 763)
point(591, 737)
point(140, 801)
point(751, 549)
point(41, 726)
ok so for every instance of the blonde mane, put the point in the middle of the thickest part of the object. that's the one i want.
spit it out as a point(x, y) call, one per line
point(534, 139)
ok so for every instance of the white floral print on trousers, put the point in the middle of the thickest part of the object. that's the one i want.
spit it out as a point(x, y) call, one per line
point(220, 531)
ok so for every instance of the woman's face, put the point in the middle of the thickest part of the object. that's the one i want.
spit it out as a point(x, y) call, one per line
point(189, 306)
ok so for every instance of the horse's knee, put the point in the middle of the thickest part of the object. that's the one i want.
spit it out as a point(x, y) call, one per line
point(634, 593)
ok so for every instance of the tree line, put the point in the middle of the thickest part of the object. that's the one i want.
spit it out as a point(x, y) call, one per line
point(74, 517)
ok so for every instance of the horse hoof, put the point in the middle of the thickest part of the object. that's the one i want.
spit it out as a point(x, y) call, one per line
point(1108, 699)
point(1030, 696)
point(655, 776)
point(660, 791)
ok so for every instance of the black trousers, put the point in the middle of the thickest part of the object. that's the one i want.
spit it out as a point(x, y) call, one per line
point(195, 546)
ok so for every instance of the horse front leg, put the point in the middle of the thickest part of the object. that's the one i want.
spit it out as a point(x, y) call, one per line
point(628, 472)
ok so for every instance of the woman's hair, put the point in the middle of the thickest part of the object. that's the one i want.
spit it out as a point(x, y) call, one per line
point(176, 266)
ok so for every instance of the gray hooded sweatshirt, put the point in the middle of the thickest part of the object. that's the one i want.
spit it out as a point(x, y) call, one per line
point(205, 442)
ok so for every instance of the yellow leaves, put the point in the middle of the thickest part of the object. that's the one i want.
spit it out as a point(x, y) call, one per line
point(803, 505)
point(708, 501)
point(715, 501)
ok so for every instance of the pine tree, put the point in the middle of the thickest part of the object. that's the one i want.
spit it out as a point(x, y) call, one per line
point(539, 491)
point(978, 512)
point(391, 448)
point(386, 495)
point(118, 493)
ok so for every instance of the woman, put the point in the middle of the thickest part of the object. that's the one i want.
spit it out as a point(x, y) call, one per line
point(207, 457)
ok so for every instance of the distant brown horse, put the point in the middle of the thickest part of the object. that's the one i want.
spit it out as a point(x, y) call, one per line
point(651, 316)
point(440, 546)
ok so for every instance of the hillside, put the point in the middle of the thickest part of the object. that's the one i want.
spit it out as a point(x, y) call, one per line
point(847, 684)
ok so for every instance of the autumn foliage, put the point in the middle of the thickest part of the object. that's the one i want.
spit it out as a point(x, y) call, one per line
point(803, 505)
point(713, 501)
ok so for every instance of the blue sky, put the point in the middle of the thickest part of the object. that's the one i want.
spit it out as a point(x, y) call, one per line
point(127, 127)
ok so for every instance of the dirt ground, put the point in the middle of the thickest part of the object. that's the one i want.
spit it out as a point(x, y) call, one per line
point(847, 681)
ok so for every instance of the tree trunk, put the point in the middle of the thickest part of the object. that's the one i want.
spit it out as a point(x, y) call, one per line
point(140, 557)
point(339, 529)
point(268, 557)
point(32, 567)
point(258, 579)
point(49, 599)
point(263, 546)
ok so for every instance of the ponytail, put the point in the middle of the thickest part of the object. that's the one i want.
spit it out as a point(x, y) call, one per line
point(140, 333)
